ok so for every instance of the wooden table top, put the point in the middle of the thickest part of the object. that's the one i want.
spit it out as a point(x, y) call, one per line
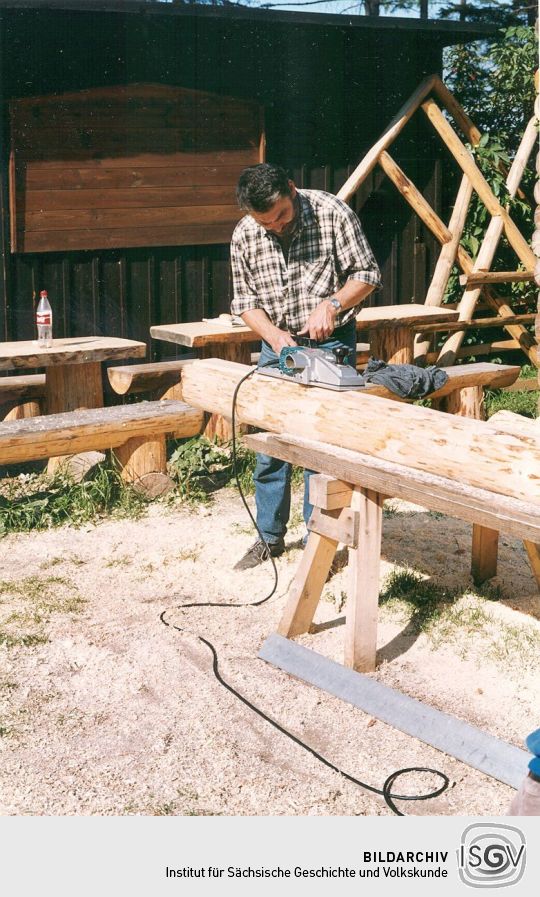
point(194, 334)
point(411, 315)
point(202, 333)
point(69, 350)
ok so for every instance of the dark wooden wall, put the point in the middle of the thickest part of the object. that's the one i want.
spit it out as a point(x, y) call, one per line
point(328, 92)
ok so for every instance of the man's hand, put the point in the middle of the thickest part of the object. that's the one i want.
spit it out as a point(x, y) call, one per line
point(280, 339)
point(321, 322)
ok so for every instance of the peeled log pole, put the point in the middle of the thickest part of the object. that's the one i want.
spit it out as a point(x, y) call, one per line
point(460, 448)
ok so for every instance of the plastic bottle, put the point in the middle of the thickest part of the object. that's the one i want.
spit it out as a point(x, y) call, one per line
point(44, 321)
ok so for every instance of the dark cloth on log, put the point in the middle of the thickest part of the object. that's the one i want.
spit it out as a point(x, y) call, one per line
point(405, 380)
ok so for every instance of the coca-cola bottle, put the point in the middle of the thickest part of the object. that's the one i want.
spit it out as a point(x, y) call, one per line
point(44, 321)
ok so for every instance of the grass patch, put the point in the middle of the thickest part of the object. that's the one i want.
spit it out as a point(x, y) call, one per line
point(37, 502)
point(523, 402)
point(461, 619)
point(27, 605)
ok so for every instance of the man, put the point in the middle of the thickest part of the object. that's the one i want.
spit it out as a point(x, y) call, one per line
point(301, 266)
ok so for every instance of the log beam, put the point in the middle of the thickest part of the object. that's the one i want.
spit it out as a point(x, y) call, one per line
point(456, 447)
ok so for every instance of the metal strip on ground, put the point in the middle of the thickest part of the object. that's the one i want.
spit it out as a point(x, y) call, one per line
point(495, 758)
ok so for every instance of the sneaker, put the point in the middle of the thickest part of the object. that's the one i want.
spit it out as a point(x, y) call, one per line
point(259, 553)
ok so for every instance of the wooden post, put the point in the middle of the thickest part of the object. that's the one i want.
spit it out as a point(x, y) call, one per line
point(72, 387)
point(533, 552)
point(144, 464)
point(485, 544)
point(466, 402)
point(445, 262)
point(363, 592)
point(393, 344)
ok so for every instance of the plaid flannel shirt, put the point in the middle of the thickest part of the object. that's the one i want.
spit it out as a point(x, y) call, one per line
point(328, 248)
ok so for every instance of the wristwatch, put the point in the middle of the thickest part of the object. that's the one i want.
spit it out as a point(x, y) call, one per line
point(335, 303)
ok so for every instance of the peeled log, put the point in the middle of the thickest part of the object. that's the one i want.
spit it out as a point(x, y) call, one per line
point(463, 449)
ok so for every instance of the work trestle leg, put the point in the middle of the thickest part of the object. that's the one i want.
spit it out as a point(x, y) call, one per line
point(351, 515)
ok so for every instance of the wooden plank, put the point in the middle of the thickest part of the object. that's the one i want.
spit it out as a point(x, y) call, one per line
point(101, 238)
point(210, 158)
point(78, 219)
point(516, 517)
point(68, 350)
point(307, 585)
point(195, 334)
point(533, 553)
point(81, 431)
point(341, 525)
point(485, 543)
point(415, 199)
point(139, 198)
point(363, 582)
point(129, 177)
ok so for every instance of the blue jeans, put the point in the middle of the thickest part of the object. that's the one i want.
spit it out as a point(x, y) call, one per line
point(273, 477)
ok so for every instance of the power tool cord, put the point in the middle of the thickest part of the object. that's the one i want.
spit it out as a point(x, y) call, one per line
point(386, 790)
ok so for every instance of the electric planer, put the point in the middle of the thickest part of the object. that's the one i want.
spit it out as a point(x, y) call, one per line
point(315, 367)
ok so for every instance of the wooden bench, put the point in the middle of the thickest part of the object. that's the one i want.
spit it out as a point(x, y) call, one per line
point(21, 396)
point(161, 378)
point(136, 433)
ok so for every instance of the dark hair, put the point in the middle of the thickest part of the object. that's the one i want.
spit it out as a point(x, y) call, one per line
point(260, 186)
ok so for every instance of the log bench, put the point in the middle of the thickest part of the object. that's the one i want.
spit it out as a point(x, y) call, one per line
point(161, 378)
point(135, 432)
point(348, 497)
point(21, 396)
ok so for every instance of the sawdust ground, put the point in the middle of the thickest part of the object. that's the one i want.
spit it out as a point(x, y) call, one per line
point(112, 713)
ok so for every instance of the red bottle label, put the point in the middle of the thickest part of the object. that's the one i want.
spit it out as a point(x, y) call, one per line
point(44, 317)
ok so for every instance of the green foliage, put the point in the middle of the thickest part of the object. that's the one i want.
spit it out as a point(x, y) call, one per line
point(520, 402)
point(494, 83)
point(199, 467)
point(33, 501)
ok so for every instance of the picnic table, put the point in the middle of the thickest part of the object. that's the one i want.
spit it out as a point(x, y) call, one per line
point(72, 367)
point(392, 328)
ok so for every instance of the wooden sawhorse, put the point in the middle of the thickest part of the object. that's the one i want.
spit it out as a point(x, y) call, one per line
point(348, 499)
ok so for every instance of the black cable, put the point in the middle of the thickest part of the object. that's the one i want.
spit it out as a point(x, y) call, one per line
point(386, 790)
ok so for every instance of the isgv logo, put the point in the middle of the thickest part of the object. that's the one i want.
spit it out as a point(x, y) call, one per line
point(491, 855)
